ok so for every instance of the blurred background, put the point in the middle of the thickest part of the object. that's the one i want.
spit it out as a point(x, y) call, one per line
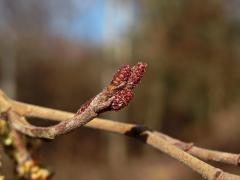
point(60, 53)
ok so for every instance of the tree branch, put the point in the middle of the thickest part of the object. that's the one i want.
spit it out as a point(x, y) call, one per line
point(202, 153)
point(123, 128)
point(114, 97)
point(26, 166)
point(173, 147)
point(15, 146)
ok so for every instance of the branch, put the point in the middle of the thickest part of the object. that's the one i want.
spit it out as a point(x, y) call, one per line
point(26, 166)
point(202, 153)
point(170, 146)
point(124, 128)
point(114, 97)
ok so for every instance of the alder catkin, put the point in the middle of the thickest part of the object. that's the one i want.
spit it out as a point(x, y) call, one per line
point(130, 76)
point(121, 75)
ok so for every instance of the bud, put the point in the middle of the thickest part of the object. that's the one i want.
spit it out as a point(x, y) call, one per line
point(121, 87)
point(121, 99)
point(121, 75)
point(136, 74)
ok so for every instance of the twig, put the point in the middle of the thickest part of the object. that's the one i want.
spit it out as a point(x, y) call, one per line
point(202, 153)
point(158, 140)
point(15, 147)
point(26, 166)
point(123, 128)
point(114, 97)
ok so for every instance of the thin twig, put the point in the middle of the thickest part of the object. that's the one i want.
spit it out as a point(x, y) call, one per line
point(15, 146)
point(123, 128)
point(63, 127)
point(202, 153)
point(114, 97)
point(26, 166)
point(170, 146)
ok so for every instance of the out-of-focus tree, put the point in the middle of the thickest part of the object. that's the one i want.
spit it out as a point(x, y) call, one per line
point(193, 67)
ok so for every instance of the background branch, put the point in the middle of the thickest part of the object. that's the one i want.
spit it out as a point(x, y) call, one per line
point(26, 165)
point(15, 146)
point(123, 128)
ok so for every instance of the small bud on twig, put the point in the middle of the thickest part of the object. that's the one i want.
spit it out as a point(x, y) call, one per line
point(121, 75)
point(122, 98)
point(127, 78)
point(115, 96)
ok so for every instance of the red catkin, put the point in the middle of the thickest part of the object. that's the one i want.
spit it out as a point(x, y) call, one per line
point(131, 76)
point(122, 98)
point(121, 75)
point(137, 73)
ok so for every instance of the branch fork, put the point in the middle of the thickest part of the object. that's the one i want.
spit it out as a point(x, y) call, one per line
point(114, 97)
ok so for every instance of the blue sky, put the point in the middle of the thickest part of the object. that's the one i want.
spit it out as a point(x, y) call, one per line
point(91, 23)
